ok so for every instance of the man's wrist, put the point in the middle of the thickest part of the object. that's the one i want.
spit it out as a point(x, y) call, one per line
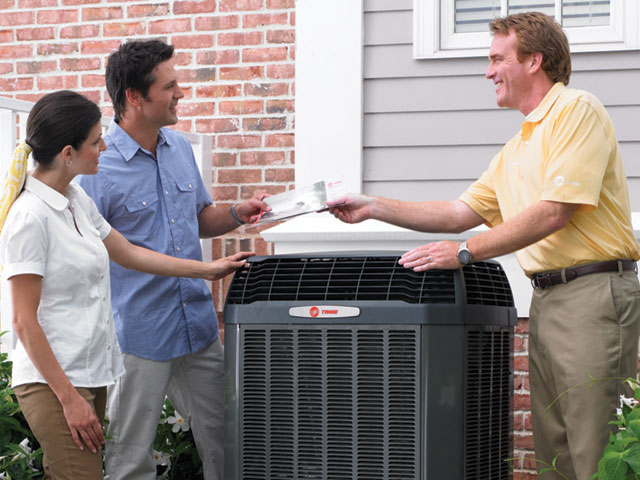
point(234, 214)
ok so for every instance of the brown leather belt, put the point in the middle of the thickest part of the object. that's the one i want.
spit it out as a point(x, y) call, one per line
point(544, 280)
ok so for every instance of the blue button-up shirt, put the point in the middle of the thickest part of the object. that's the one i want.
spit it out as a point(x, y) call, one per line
point(155, 203)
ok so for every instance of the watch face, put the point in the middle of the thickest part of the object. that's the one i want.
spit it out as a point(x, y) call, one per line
point(464, 256)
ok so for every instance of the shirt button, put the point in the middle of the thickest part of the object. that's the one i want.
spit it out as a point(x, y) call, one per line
point(144, 203)
point(189, 185)
point(178, 248)
point(184, 304)
point(173, 220)
point(166, 192)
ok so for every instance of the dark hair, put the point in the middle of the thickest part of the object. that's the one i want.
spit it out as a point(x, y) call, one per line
point(131, 66)
point(59, 119)
point(537, 32)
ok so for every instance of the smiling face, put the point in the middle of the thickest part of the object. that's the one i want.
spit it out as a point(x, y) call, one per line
point(159, 107)
point(85, 159)
point(513, 79)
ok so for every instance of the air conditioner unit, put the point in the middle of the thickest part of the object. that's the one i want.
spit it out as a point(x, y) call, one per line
point(348, 366)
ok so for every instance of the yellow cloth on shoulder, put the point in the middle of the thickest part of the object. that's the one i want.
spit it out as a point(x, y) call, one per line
point(14, 181)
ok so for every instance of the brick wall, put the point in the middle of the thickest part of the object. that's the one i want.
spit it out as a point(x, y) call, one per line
point(236, 61)
point(237, 67)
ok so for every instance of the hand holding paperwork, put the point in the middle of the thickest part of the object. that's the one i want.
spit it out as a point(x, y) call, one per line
point(312, 198)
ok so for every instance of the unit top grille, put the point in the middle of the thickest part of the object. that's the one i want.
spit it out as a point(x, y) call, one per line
point(487, 284)
point(341, 278)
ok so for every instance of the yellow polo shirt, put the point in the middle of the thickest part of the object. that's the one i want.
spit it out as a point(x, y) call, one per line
point(566, 151)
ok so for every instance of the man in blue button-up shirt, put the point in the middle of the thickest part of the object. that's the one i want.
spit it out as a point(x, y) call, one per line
point(149, 188)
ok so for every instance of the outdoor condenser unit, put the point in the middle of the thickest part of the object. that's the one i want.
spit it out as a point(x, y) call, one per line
point(348, 366)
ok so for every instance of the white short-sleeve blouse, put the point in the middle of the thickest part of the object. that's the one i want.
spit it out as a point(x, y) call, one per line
point(41, 238)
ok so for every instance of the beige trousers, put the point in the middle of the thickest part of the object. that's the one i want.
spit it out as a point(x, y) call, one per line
point(589, 326)
point(62, 459)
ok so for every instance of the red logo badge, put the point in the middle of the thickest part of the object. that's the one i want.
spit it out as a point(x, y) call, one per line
point(314, 312)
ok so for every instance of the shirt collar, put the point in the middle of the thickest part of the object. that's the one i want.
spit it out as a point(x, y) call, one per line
point(541, 110)
point(47, 194)
point(126, 145)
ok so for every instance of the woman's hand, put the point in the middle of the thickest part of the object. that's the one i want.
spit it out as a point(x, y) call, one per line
point(83, 423)
point(224, 266)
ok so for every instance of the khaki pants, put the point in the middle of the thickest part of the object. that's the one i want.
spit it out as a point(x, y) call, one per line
point(589, 326)
point(62, 459)
point(194, 384)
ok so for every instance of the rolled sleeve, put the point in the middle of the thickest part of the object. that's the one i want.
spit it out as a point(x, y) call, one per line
point(25, 246)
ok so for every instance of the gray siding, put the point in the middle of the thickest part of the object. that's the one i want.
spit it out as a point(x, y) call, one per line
point(432, 126)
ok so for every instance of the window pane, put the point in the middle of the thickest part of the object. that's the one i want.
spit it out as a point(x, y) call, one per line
point(544, 6)
point(580, 13)
point(475, 15)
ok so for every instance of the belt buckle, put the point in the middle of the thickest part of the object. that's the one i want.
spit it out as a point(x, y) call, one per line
point(535, 280)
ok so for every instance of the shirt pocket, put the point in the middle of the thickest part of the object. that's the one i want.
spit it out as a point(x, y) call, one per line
point(187, 197)
point(141, 212)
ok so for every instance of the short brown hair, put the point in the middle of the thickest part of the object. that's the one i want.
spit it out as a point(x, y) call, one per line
point(537, 32)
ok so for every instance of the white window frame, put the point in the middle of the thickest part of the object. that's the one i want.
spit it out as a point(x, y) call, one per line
point(434, 36)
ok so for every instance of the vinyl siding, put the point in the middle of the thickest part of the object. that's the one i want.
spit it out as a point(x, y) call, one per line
point(431, 127)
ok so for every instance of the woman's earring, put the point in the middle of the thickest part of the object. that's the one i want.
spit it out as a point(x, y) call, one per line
point(69, 163)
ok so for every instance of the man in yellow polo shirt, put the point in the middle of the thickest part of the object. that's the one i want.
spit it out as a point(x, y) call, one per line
point(557, 194)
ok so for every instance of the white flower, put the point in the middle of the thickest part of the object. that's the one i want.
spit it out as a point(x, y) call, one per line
point(24, 444)
point(629, 402)
point(160, 458)
point(178, 423)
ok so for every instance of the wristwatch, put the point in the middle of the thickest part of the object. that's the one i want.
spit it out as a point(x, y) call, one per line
point(464, 255)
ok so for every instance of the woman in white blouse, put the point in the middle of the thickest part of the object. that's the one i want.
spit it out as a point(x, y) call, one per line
point(55, 249)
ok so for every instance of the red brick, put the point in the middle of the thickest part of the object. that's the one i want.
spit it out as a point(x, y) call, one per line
point(280, 175)
point(239, 39)
point(81, 31)
point(240, 107)
point(89, 81)
point(5, 68)
point(241, 73)
point(24, 4)
point(266, 89)
point(524, 476)
point(239, 176)
point(192, 41)
point(218, 57)
point(523, 441)
point(240, 5)
point(255, 55)
point(170, 26)
point(218, 91)
point(281, 36)
point(292, 19)
point(225, 22)
point(17, 18)
point(238, 141)
point(38, 33)
point(521, 402)
point(102, 13)
point(57, 82)
point(183, 58)
point(292, 52)
point(286, 70)
point(93, 95)
point(79, 64)
point(191, 7)
point(16, 51)
point(196, 109)
point(57, 48)
point(148, 10)
point(281, 3)
point(216, 125)
point(248, 191)
point(185, 125)
point(519, 344)
point(99, 47)
point(262, 247)
point(225, 159)
point(16, 84)
point(264, 124)
point(221, 193)
point(57, 16)
point(34, 67)
point(280, 140)
point(6, 36)
point(262, 158)
point(262, 19)
point(521, 363)
point(528, 425)
point(517, 382)
point(529, 463)
point(79, 2)
point(197, 75)
point(523, 325)
point(517, 422)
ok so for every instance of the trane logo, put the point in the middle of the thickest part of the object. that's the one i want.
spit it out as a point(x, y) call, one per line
point(324, 311)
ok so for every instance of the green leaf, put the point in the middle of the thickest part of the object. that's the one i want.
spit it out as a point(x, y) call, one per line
point(612, 466)
point(633, 458)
